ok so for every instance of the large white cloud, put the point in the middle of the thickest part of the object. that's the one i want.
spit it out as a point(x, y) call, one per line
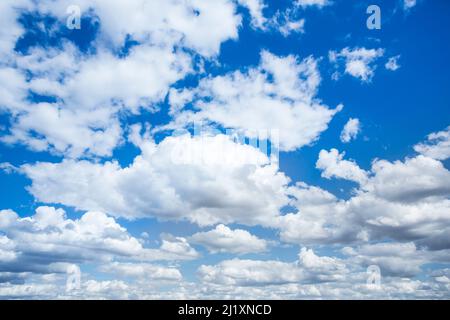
point(393, 258)
point(204, 179)
point(308, 3)
point(195, 24)
point(222, 281)
point(92, 91)
point(321, 218)
point(279, 94)
point(402, 200)
point(49, 242)
point(142, 271)
point(90, 94)
point(397, 217)
point(309, 267)
point(284, 21)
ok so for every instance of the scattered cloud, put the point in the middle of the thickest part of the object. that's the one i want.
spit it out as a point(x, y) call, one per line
point(351, 130)
point(401, 200)
point(437, 145)
point(332, 165)
point(309, 267)
point(358, 62)
point(310, 3)
point(409, 4)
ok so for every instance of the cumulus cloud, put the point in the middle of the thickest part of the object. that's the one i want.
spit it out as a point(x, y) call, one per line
point(287, 22)
point(332, 164)
point(10, 28)
point(437, 145)
point(350, 130)
point(142, 271)
point(204, 179)
point(321, 218)
point(279, 94)
point(406, 201)
point(224, 239)
point(358, 62)
point(49, 242)
point(75, 103)
point(401, 200)
point(393, 180)
point(349, 284)
point(309, 267)
point(198, 25)
point(90, 92)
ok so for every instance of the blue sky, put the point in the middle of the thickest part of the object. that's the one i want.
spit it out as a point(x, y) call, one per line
point(91, 178)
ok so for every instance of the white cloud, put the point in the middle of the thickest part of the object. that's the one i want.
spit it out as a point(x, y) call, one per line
point(292, 26)
point(253, 102)
point(437, 145)
point(321, 218)
point(196, 24)
point(199, 179)
point(94, 236)
point(27, 291)
point(12, 90)
point(402, 200)
point(48, 242)
point(350, 130)
point(255, 8)
point(142, 271)
point(332, 164)
point(392, 63)
point(413, 180)
point(308, 3)
point(309, 267)
point(92, 92)
point(224, 239)
point(351, 284)
point(359, 62)
point(397, 217)
point(10, 29)
point(393, 259)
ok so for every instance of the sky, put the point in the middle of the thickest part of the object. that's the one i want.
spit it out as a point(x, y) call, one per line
point(228, 149)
